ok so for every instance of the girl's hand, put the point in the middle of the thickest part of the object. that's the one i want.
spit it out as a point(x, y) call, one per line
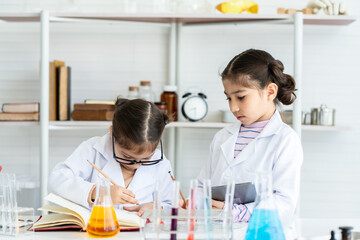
point(121, 195)
point(139, 208)
point(183, 205)
point(217, 204)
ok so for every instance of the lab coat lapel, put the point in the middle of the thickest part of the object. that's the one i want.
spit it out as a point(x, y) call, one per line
point(271, 128)
point(113, 170)
point(143, 177)
point(228, 146)
point(245, 154)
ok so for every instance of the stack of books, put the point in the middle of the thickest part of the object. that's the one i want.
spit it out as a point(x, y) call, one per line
point(93, 111)
point(59, 91)
point(20, 112)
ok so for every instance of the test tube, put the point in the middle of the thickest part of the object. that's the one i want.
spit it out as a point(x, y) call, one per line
point(157, 209)
point(174, 208)
point(207, 208)
point(227, 211)
point(2, 212)
point(192, 208)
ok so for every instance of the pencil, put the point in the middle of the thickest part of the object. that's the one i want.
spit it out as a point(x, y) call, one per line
point(102, 173)
point(182, 195)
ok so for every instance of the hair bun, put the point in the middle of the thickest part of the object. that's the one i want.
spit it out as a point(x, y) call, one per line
point(276, 65)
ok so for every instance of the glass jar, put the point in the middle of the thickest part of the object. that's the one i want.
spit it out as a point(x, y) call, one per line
point(169, 95)
point(145, 91)
point(133, 92)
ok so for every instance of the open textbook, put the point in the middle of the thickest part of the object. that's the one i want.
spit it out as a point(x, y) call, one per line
point(69, 215)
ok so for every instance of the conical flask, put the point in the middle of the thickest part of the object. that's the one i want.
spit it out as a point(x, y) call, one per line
point(264, 222)
point(103, 221)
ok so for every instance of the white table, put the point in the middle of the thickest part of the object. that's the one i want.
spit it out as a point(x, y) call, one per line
point(308, 229)
point(320, 228)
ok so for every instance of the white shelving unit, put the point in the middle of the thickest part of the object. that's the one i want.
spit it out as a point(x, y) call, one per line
point(175, 22)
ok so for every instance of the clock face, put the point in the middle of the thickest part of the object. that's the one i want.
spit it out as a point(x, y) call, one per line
point(195, 108)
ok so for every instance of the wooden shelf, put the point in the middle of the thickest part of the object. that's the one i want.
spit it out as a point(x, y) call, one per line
point(19, 123)
point(182, 18)
point(324, 128)
point(70, 125)
point(198, 124)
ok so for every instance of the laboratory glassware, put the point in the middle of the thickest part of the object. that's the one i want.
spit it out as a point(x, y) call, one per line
point(174, 207)
point(103, 221)
point(264, 222)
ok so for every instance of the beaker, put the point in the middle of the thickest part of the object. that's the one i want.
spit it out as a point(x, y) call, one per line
point(103, 221)
point(264, 222)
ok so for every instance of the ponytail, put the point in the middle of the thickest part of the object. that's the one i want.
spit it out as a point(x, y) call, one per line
point(286, 83)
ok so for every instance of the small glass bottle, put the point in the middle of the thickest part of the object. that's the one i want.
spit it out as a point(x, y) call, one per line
point(133, 92)
point(169, 95)
point(162, 106)
point(345, 233)
point(103, 221)
point(145, 91)
point(264, 222)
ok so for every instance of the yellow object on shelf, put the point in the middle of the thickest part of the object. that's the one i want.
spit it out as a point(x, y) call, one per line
point(238, 6)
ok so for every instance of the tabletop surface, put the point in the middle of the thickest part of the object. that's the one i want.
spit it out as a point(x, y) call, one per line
point(308, 229)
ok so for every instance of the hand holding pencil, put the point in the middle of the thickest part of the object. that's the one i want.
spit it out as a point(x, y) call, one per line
point(119, 194)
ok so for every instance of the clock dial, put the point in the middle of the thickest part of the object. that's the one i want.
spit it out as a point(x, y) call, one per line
point(195, 108)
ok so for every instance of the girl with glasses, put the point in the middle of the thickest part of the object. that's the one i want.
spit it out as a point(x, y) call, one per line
point(131, 154)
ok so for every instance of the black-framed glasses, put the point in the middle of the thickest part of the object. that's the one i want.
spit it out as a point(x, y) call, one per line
point(132, 162)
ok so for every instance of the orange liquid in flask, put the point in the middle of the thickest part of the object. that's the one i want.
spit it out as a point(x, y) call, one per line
point(103, 222)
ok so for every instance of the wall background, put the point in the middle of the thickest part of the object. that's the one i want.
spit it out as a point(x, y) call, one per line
point(105, 59)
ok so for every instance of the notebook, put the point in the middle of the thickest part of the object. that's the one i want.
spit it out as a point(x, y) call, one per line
point(244, 193)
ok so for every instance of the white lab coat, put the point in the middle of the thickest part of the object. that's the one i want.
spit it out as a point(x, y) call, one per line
point(74, 178)
point(277, 148)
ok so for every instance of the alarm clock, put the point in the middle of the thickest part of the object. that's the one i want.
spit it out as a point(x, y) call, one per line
point(194, 107)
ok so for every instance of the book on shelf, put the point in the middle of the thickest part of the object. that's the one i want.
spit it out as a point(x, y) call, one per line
point(19, 116)
point(63, 84)
point(92, 115)
point(53, 88)
point(69, 215)
point(90, 106)
point(21, 107)
point(95, 101)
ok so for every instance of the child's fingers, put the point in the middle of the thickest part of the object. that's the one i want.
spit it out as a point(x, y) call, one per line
point(181, 203)
point(217, 204)
point(128, 199)
point(140, 212)
point(128, 192)
point(132, 208)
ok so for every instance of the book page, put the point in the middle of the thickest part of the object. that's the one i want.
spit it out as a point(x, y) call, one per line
point(52, 220)
point(82, 211)
point(128, 219)
point(59, 209)
point(125, 218)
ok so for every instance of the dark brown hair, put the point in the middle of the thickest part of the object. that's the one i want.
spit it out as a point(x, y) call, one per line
point(258, 68)
point(138, 124)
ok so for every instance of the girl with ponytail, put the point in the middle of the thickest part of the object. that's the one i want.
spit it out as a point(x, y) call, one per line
point(254, 84)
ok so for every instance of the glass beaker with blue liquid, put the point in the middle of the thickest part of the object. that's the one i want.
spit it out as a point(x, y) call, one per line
point(264, 222)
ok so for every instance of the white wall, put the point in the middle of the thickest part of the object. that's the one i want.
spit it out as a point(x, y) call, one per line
point(105, 59)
